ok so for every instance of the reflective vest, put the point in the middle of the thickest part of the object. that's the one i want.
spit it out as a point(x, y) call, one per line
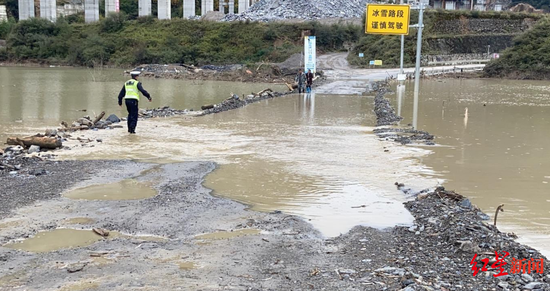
point(131, 87)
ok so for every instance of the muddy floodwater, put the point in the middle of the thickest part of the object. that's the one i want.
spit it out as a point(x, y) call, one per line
point(315, 156)
point(128, 189)
point(45, 96)
point(494, 142)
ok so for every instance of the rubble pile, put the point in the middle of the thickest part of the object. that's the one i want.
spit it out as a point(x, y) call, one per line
point(13, 159)
point(449, 233)
point(87, 123)
point(386, 116)
point(235, 101)
point(165, 111)
point(269, 10)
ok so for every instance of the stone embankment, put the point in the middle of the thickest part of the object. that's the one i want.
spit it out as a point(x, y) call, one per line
point(386, 118)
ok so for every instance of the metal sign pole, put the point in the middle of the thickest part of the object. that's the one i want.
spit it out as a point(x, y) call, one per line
point(417, 69)
point(402, 50)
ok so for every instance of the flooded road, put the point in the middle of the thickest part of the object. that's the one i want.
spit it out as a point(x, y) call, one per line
point(314, 156)
point(494, 142)
point(40, 97)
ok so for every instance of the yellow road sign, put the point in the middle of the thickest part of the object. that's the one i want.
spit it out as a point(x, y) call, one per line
point(387, 19)
point(377, 62)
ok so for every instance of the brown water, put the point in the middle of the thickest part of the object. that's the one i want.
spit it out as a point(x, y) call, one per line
point(56, 240)
point(314, 156)
point(128, 189)
point(40, 97)
point(65, 238)
point(494, 137)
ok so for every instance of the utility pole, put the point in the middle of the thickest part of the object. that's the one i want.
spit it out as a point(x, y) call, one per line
point(417, 68)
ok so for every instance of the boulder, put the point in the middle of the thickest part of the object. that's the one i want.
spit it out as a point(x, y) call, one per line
point(34, 149)
point(113, 118)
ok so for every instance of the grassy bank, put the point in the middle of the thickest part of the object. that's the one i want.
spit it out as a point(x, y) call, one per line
point(528, 58)
point(120, 42)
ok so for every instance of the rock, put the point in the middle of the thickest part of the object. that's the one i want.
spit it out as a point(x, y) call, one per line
point(34, 149)
point(99, 140)
point(51, 132)
point(346, 271)
point(391, 270)
point(13, 173)
point(76, 267)
point(85, 121)
point(268, 10)
point(527, 278)
point(37, 172)
point(503, 285)
point(75, 124)
point(113, 118)
point(533, 285)
point(407, 282)
point(465, 203)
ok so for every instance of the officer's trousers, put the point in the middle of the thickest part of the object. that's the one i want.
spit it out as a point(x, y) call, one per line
point(132, 106)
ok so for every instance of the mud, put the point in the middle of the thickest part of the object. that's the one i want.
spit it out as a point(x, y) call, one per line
point(128, 189)
point(159, 247)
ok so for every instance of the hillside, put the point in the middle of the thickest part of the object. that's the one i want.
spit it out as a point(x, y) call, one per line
point(528, 58)
point(115, 41)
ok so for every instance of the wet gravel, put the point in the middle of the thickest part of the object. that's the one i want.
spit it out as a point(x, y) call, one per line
point(270, 10)
point(41, 179)
point(387, 119)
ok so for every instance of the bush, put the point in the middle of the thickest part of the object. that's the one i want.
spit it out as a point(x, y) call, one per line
point(6, 27)
point(113, 22)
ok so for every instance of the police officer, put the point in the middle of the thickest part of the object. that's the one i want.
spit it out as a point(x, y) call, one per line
point(130, 93)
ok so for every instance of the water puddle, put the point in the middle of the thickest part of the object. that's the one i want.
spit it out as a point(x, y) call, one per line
point(227, 234)
point(187, 265)
point(85, 284)
point(128, 189)
point(65, 238)
point(56, 240)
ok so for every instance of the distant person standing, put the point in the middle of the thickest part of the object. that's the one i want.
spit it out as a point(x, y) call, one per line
point(130, 93)
point(301, 80)
point(309, 78)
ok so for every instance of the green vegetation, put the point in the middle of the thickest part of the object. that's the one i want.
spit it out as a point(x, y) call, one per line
point(115, 41)
point(528, 58)
point(388, 47)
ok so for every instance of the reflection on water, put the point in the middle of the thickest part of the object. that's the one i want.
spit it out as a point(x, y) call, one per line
point(40, 97)
point(497, 133)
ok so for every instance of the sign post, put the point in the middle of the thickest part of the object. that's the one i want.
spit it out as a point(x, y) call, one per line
point(417, 69)
point(310, 54)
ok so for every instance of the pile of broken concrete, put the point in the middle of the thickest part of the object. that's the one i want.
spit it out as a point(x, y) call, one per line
point(272, 10)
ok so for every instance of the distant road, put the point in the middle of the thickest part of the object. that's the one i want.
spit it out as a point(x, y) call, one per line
point(348, 80)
